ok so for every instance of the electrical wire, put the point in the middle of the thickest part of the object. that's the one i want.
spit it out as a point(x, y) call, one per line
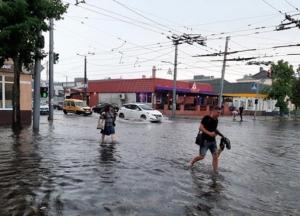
point(126, 17)
point(122, 20)
point(136, 46)
point(291, 5)
point(147, 18)
point(272, 7)
point(154, 46)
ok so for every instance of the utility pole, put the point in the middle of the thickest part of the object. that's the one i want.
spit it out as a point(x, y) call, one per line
point(85, 75)
point(66, 82)
point(174, 81)
point(47, 71)
point(184, 38)
point(223, 73)
point(51, 62)
point(85, 81)
point(37, 94)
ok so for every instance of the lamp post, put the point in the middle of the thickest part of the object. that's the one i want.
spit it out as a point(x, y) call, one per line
point(176, 39)
point(85, 74)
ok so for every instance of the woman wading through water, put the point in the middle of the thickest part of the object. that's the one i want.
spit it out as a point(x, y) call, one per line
point(109, 128)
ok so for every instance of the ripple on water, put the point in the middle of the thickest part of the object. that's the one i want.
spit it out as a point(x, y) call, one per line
point(64, 170)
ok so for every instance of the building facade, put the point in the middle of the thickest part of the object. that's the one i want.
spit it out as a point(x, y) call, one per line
point(245, 92)
point(191, 98)
point(6, 95)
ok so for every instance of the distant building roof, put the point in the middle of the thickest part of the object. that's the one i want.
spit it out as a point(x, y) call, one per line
point(242, 87)
point(144, 85)
point(203, 77)
point(215, 83)
point(262, 74)
point(234, 88)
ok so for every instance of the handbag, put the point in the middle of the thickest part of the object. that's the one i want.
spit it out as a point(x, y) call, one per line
point(199, 139)
point(101, 123)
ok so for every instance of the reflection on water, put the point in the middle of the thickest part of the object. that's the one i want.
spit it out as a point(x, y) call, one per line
point(208, 190)
point(21, 174)
point(64, 170)
point(106, 163)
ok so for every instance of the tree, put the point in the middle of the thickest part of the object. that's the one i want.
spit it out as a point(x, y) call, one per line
point(295, 98)
point(21, 24)
point(282, 79)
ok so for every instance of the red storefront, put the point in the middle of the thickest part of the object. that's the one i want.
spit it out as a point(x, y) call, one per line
point(192, 98)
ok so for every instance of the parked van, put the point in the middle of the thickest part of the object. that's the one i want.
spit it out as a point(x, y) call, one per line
point(76, 106)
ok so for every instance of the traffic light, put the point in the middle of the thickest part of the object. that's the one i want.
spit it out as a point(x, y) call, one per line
point(44, 92)
point(56, 58)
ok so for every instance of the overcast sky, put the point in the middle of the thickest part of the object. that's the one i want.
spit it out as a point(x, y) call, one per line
point(129, 37)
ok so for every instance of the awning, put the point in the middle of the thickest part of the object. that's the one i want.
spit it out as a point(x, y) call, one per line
point(184, 90)
point(247, 95)
point(166, 88)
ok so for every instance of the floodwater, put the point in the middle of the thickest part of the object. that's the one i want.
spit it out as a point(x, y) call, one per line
point(64, 170)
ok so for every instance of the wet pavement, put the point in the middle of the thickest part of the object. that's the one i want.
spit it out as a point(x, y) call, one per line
point(64, 170)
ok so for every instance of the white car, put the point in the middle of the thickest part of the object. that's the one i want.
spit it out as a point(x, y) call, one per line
point(44, 109)
point(138, 111)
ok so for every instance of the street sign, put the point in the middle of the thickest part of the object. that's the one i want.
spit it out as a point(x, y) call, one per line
point(253, 86)
point(194, 87)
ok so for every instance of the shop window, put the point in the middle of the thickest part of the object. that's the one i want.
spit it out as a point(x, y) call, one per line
point(236, 103)
point(6, 92)
point(144, 97)
point(9, 79)
point(8, 95)
point(250, 103)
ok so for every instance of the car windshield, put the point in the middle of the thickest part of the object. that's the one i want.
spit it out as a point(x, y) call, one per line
point(145, 107)
point(80, 103)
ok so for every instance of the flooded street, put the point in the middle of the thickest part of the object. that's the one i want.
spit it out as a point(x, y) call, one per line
point(64, 170)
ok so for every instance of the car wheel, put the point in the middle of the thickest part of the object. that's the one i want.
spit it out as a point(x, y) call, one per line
point(65, 112)
point(121, 115)
point(143, 117)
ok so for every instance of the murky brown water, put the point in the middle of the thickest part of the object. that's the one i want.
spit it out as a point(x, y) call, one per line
point(64, 170)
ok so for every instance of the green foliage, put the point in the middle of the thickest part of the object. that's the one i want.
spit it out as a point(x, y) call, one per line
point(295, 98)
point(21, 21)
point(21, 25)
point(282, 80)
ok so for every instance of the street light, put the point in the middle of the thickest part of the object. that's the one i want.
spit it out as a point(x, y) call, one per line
point(85, 75)
point(177, 40)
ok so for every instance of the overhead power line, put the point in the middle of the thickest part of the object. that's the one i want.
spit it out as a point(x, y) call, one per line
point(129, 18)
point(238, 59)
point(246, 50)
point(256, 57)
point(291, 5)
point(283, 46)
point(266, 63)
point(136, 46)
point(141, 15)
point(272, 6)
point(124, 20)
point(222, 53)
